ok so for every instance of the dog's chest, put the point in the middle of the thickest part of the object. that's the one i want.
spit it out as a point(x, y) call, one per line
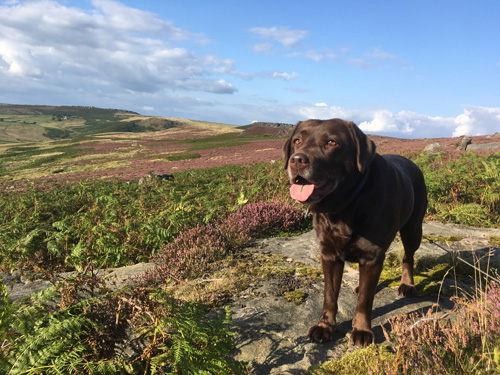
point(337, 240)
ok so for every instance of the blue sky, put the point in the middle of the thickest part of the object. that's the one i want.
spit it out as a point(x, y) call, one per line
point(409, 69)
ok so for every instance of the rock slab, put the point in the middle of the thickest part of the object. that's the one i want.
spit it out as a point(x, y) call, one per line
point(272, 332)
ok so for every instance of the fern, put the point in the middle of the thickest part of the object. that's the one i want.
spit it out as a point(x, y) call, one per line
point(54, 346)
point(88, 335)
point(6, 310)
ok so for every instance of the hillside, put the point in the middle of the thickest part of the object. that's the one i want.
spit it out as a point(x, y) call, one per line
point(37, 123)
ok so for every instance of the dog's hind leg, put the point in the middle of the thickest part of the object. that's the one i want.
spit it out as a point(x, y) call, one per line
point(411, 236)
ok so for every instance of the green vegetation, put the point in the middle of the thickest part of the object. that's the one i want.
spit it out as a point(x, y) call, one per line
point(113, 224)
point(297, 296)
point(374, 359)
point(223, 140)
point(193, 226)
point(183, 156)
point(58, 331)
point(465, 190)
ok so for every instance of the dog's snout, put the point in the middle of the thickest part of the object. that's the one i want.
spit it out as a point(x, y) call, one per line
point(298, 162)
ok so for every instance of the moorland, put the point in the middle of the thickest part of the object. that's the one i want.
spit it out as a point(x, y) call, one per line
point(80, 191)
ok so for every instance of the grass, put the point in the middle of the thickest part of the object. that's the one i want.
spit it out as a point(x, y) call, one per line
point(224, 140)
point(183, 156)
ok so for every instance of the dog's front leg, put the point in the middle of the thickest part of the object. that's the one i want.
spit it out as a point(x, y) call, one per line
point(333, 268)
point(369, 273)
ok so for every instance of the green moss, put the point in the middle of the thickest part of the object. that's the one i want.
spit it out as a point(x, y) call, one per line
point(374, 359)
point(495, 240)
point(310, 272)
point(427, 280)
point(296, 296)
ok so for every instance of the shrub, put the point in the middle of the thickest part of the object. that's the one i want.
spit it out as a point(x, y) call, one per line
point(467, 343)
point(465, 190)
point(195, 249)
point(191, 252)
point(126, 332)
point(115, 224)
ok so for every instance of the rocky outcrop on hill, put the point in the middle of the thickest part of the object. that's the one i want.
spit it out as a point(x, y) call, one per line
point(484, 146)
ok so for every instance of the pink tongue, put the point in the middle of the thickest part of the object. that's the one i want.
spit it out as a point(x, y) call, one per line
point(301, 192)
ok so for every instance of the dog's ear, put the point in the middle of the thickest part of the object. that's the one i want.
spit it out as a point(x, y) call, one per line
point(287, 147)
point(365, 147)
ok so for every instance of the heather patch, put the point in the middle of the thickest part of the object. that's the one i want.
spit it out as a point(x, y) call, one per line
point(465, 343)
point(464, 340)
point(195, 249)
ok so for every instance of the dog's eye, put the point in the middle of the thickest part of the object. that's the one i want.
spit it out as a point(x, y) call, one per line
point(296, 141)
point(332, 142)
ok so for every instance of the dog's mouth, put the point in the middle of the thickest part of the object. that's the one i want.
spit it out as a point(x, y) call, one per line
point(307, 192)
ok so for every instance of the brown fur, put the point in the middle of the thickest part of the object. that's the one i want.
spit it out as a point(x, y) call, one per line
point(363, 199)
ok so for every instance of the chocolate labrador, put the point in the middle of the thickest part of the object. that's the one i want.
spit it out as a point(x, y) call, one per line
point(359, 200)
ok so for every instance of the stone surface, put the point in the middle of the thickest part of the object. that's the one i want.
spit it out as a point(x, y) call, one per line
point(464, 142)
point(483, 146)
point(434, 148)
point(19, 286)
point(272, 333)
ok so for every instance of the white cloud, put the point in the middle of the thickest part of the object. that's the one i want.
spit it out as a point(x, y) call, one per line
point(262, 48)
point(377, 53)
point(148, 108)
point(474, 120)
point(384, 121)
point(286, 76)
point(310, 54)
point(477, 121)
point(360, 63)
point(283, 34)
point(323, 112)
point(108, 49)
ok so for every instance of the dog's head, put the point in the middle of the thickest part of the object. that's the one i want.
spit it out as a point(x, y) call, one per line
point(323, 156)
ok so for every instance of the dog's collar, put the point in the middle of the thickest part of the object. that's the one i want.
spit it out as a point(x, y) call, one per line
point(361, 185)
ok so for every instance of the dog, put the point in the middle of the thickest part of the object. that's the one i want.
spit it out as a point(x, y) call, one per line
point(359, 200)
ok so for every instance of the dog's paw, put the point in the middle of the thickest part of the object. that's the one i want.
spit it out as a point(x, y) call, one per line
point(361, 337)
point(407, 290)
point(321, 332)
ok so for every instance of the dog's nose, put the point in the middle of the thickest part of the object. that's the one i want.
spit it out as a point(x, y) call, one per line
point(298, 162)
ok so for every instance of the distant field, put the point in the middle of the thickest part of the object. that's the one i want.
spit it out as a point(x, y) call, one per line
point(23, 123)
point(84, 148)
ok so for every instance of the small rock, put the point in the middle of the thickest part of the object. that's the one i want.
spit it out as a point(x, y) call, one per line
point(434, 148)
point(464, 142)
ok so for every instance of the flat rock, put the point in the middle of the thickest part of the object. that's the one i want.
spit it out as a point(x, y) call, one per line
point(272, 332)
point(20, 286)
point(483, 146)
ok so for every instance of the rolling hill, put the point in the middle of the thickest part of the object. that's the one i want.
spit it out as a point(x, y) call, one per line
point(37, 123)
